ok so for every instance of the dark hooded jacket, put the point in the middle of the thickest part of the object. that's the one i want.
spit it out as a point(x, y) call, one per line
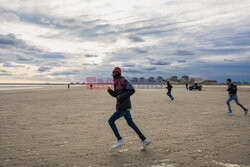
point(232, 89)
point(169, 87)
point(123, 88)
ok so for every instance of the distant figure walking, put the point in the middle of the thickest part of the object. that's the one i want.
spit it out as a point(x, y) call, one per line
point(232, 90)
point(122, 92)
point(68, 86)
point(169, 87)
point(91, 86)
point(187, 85)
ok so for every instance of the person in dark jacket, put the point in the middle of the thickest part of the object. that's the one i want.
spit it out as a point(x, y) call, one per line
point(169, 87)
point(122, 92)
point(232, 91)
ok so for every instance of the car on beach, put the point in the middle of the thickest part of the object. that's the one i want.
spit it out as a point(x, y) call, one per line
point(195, 86)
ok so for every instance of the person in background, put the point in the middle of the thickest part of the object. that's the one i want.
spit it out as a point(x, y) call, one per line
point(232, 91)
point(169, 87)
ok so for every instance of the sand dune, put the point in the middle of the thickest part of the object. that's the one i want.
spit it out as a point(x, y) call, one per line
point(60, 127)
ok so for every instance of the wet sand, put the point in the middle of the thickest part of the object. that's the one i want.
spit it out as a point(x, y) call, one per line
point(60, 127)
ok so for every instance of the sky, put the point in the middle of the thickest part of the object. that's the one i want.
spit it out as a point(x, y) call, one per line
point(67, 41)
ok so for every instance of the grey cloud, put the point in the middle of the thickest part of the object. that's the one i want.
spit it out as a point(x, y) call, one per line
point(4, 73)
point(43, 69)
point(182, 61)
point(51, 55)
point(133, 71)
point(10, 41)
point(8, 65)
point(128, 65)
point(134, 38)
point(89, 64)
point(183, 53)
point(225, 51)
point(70, 22)
point(148, 68)
point(158, 62)
point(139, 50)
point(62, 73)
point(90, 55)
point(21, 58)
point(229, 60)
point(11, 65)
point(9, 17)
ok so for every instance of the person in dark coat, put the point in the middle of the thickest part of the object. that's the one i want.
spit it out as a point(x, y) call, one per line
point(187, 85)
point(232, 91)
point(169, 88)
point(122, 92)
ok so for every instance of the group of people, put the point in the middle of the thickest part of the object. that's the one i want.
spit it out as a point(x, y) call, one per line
point(122, 92)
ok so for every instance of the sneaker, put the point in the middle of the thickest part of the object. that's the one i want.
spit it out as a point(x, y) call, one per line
point(118, 144)
point(229, 112)
point(145, 143)
point(172, 98)
point(246, 111)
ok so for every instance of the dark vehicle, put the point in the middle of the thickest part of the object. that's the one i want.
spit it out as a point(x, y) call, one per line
point(195, 86)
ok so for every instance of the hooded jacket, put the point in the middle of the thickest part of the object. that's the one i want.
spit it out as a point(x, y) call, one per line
point(232, 89)
point(169, 87)
point(123, 88)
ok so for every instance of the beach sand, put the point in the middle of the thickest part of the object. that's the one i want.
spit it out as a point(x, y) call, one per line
point(60, 127)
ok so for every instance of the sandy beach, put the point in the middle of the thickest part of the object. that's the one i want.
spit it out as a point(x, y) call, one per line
point(54, 126)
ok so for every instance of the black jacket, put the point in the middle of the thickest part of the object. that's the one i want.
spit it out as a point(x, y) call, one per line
point(169, 87)
point(232, 89)
point(123, 88)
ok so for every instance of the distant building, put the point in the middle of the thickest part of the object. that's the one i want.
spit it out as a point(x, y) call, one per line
point(195, 79)
point(159, 79)
point(141, 80)
point(151, 79)
point(174, 79)
point(134, 80)
point(184, 78)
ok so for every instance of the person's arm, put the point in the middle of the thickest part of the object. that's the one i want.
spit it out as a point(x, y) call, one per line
point(111, 92)
point(129, 90)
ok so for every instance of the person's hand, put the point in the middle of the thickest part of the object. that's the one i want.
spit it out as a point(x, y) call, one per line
point(118, 97)
point(109, 90)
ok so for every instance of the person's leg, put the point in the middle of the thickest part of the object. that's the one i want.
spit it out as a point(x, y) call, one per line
point(118, 114)
point(131, 123)
point(228, 103)
point(169, 94)
point(235, 97)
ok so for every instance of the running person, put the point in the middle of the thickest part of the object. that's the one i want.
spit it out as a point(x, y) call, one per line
point(232, 90)
point(122, 92)
point(169, 87)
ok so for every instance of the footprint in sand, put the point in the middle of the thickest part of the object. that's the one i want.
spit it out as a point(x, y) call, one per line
point(228, 164)
point(163, 165)
point(123, 150)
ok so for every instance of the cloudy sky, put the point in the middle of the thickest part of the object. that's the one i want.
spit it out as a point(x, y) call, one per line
point(64, 41)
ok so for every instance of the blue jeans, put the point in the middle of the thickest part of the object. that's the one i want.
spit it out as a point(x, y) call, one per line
point(235, 98)
point(126, 114)
point(169, 94)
